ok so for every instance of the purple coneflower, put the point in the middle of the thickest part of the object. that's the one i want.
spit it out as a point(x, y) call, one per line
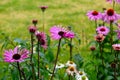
point(110, 16)
point(32, 29)
point(102, 30)
point(110, 1)
point(43, 8)
point(16, 55)
point(99, 37)
point(94, 15)
point(118, 34)
point(118, 1)
point(58, 32)
point(116, 47)
point(41, 36)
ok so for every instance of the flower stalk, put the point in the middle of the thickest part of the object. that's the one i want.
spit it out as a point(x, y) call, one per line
point(111, 35)
point(31, 60)
point(113, 4)
point(58, 50)
point(43, 21)
point(70, 49)
point(101, 52)
point(38, 45)
point(18, 65)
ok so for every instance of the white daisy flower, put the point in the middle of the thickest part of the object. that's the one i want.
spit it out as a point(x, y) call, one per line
point(71, 70)
point(59, 66)
point(81, 75)
point(70, 63)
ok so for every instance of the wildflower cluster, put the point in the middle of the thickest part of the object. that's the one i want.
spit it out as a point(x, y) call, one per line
point(106, 46)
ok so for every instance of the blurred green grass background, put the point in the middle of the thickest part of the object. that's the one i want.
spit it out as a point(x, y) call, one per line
point(17, 15)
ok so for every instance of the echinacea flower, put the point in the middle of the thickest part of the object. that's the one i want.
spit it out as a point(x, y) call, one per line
point(118, 24)
point(81, 75)
point(99, 37)
point(110, 16)
point(32, 29)
point(59, 66)
point(118, 34)
point(41, 36)
point(58, 32)
point(116, 47)
point(110, 1)
point(70, 63)
point(16, 55)
point(71, 70)
point(117, 1)
point(102, 30)
point(43, 8)
point(94, 15)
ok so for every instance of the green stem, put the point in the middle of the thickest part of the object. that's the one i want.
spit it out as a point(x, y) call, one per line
point(71, 49)
point(31, 61)
point(95, 23)
point(111, 38)
point(43, 22)
point(38, 60)
point(115, 74)
point(101, 52)
point(58, 50)
point(18, 65)
point(113, 4)
point(69, 78)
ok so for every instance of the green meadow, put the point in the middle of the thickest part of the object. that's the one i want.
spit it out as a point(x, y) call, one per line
point(17, 15)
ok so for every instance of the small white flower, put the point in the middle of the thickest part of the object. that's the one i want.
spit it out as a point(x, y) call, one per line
point(71, 70)
point(34, 49)
point(70, 63)
point(81, 75)
point(81, 78)
point(59, 66)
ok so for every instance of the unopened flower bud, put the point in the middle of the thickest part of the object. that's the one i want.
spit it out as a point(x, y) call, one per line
point(32, 29)
point(92, 48)
point(43, 8)
point(34, 21)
